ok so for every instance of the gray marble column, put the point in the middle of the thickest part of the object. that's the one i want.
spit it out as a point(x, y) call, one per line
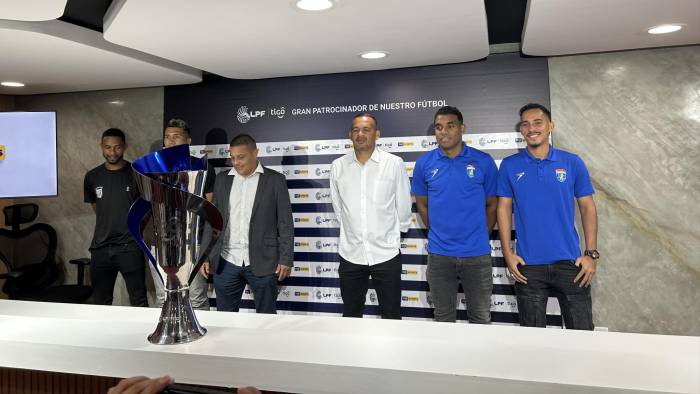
point(634, 118)
point(81, 119)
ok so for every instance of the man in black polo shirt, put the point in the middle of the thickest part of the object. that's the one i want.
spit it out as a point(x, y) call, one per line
point(111, 189)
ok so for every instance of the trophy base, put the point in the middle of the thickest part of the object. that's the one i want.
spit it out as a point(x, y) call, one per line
point(177, 323)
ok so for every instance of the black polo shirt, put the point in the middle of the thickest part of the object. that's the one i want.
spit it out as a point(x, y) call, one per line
point(112, 192)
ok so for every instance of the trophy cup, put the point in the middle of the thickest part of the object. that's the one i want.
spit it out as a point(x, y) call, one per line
point(172, 185)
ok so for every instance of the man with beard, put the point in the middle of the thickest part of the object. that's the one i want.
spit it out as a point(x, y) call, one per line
point(539, 186)
point(455, 189)
point(111, 189)
point(371, 197)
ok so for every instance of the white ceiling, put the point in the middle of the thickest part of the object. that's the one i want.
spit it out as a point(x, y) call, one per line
point(261, 39)
point(55, 56)
point(32, 10)
point(564, 27)
point(168, 42)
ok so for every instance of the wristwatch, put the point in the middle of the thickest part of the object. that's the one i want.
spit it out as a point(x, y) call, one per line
point(592, 254)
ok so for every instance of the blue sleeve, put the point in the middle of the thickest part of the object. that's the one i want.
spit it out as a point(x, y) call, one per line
point(504, 188)
point(582, 183)
point(418, 186)
point(491, 179)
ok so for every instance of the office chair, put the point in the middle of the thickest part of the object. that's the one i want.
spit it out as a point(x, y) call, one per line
point(29, 257)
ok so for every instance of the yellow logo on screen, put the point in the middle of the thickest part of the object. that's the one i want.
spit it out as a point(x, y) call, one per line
point(2, 152)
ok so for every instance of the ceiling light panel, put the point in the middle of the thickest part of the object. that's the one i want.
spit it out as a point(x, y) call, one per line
point(259, 39)
point(56, 56)
point(563, 27)
point(32, 10)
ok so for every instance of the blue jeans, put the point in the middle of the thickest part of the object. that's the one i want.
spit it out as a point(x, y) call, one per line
point(557, 280)
point(475, 273)
point(230, 282)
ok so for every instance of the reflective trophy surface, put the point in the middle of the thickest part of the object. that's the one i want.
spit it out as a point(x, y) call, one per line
point(172, 189)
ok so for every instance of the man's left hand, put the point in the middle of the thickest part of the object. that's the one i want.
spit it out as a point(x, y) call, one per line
point(585, 275)
point(283, 272)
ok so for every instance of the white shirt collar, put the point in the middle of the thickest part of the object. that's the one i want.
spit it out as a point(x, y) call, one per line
point(258, 169)
point(375, 156)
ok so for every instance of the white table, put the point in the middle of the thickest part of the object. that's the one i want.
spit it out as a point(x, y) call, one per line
point(313, 354)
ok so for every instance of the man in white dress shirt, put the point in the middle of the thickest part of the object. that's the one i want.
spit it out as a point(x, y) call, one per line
point(371, 197)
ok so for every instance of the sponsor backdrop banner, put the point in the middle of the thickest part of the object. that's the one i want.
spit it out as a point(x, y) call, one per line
point(301, 125)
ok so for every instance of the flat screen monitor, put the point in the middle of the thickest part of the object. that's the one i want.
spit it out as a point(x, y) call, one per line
point(28, 166)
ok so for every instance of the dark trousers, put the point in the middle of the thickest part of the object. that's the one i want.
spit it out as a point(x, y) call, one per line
point(476, 276)
point(230, 281)
point(553, 279)
point(354, 281)
point(106, 262)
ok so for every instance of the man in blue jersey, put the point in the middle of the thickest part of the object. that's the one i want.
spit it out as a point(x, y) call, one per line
point(455, 190)
point(538, 187)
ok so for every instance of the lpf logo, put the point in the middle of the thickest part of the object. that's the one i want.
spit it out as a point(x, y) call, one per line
point(425, 144)
point(2, 152)
point(243, 115)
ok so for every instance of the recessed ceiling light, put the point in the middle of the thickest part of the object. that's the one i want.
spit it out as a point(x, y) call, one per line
point(374, 55)
point(12, 84)
point(663, 29)
point(314, 5)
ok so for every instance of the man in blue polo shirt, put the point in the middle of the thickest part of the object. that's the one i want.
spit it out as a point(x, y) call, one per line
point(455, 190)
point(538, 186)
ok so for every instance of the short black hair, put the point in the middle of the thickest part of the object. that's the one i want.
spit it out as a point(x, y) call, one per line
point(363, 114)
point(178, 123)
point(114, 132)
point(244, 139)
point(530, 106)
point(449, 110)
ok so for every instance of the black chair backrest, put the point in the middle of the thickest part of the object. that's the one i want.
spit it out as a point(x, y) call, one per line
point(30, 250)
point(20, 214)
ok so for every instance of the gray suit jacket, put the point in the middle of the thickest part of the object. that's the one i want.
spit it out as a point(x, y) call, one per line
point(271, 234)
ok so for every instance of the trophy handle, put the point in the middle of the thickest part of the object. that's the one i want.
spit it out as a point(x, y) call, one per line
point(209, 213)
point(139, 209)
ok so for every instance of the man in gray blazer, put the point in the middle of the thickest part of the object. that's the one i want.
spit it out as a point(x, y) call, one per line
point(257, 244)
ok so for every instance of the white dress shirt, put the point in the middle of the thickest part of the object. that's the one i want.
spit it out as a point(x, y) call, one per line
point(373, 204)
point(235, 247)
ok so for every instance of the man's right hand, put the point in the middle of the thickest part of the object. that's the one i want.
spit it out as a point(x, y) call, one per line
point(204, 269)
point(512, 262)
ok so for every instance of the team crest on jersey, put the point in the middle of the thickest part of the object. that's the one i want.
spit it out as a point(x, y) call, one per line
point(561, 174)
point(98, 191)
point(471, 170)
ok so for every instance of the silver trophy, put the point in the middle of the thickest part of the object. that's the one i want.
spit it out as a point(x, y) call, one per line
point(172, 186)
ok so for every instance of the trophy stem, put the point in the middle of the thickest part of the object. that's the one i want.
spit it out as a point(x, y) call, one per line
point(177, 323)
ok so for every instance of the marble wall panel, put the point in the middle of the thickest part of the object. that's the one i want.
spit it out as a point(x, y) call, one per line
point(81, 119)
point(634, 118)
